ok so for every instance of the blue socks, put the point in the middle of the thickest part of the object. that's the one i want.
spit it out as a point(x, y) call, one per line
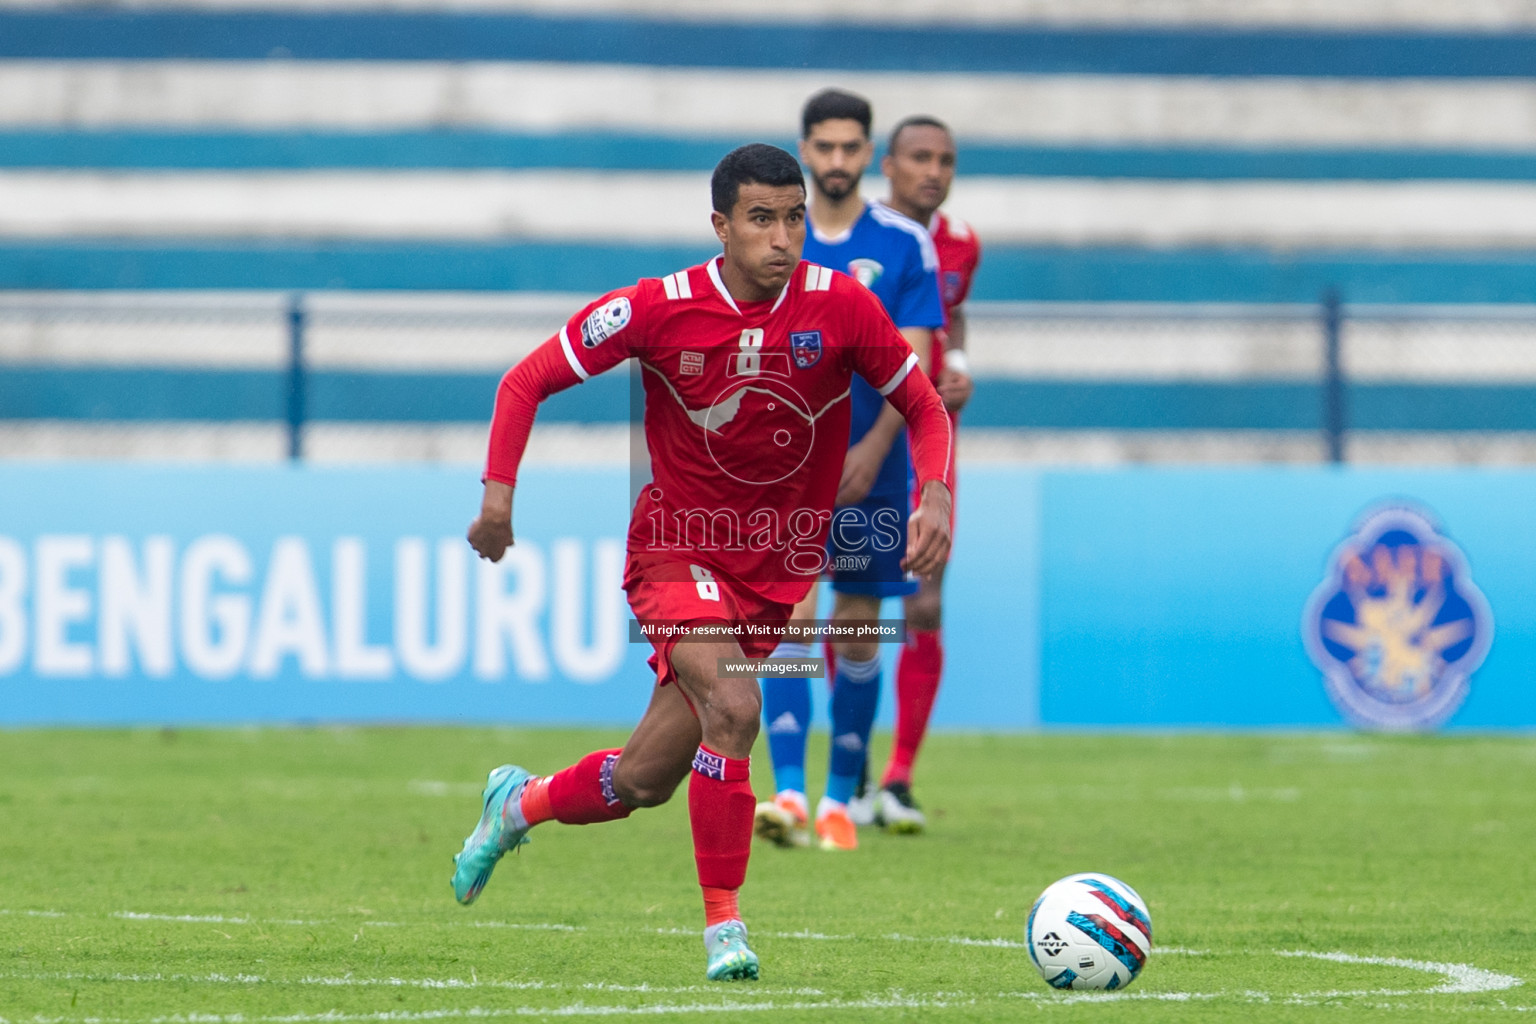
point(787, 710)
point(855, 696)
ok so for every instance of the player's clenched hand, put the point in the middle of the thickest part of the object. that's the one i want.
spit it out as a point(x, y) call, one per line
point(928, 531)
point(955, 388)
point(491, 532)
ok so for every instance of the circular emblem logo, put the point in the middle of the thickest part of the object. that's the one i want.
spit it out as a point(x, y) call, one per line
point(1397, 627)
point(750, 412)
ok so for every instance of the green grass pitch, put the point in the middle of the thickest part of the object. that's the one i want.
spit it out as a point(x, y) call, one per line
point(301, 875)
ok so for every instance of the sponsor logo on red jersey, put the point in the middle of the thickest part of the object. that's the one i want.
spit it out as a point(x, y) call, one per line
point(709, 765)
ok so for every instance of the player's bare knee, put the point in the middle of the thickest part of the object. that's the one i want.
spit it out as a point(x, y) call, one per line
point(640, 789)
point(925, 612)
point(855, 650)
point(735, 712)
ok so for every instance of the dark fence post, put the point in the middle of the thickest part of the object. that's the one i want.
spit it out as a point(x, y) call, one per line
point(1333, 376)
point(296, 377)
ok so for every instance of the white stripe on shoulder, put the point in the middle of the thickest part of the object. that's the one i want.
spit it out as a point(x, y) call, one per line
point(677, 286)
point(570, 355)
point(899, 376)
point(890, 218)
point(817, 278)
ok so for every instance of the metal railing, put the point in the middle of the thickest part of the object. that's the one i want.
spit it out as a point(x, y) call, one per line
point(1330, 369)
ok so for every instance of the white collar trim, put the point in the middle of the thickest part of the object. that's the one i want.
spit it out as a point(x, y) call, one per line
point(713, 266)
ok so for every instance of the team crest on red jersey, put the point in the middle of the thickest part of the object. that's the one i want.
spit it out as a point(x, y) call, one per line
point(806, 347)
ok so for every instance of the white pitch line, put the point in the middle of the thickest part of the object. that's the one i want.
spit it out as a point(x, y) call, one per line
point(435, 984)
point(130, 915)
point(953, 940)
point(489, 1013)
point(892, 1000)
point(1459, 978)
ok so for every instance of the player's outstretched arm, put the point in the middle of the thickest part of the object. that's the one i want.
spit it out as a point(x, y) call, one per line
point(540, 375)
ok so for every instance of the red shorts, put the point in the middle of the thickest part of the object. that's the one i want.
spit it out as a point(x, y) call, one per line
point(678, 593)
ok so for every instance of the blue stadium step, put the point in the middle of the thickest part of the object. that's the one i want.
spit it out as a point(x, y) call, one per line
point(459, 149)
point(157, 394)
point(1007, 273)
point(844, 46)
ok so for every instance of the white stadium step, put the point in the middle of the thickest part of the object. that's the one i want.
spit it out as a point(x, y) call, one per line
point(657, 207)
point(1122, 109)
point(1471, 14)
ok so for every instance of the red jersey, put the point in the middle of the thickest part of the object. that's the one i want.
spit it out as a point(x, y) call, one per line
point(746, 414)
point(959, 252)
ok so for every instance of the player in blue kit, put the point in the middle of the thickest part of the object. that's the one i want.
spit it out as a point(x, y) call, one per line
point(894, 258)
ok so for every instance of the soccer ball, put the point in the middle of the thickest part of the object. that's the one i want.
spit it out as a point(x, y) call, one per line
point(1089, 931)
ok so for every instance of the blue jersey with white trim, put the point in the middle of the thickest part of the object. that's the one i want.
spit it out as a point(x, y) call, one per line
point(894, 258)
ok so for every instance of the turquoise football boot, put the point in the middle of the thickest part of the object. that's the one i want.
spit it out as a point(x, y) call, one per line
point(730, 958)
point(491, 838)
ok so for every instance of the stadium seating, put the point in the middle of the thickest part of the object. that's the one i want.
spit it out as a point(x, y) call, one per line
point(1164, 201)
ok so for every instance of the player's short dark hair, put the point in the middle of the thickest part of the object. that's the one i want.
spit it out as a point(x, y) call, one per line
point(832, 105)
point(915, 121)
point(756, 163)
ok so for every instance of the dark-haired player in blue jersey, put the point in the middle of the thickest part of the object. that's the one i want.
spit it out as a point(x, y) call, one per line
point(894, 258)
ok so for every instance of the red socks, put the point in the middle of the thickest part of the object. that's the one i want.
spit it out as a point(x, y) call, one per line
point(918, 670)
point(720, 806)
point(579, 795)
point(720, 906)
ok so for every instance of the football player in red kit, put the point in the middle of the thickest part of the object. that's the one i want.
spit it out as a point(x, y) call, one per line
point(920, 166)
point(746, 361)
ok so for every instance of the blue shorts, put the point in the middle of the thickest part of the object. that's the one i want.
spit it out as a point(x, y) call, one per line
point(866, 546)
